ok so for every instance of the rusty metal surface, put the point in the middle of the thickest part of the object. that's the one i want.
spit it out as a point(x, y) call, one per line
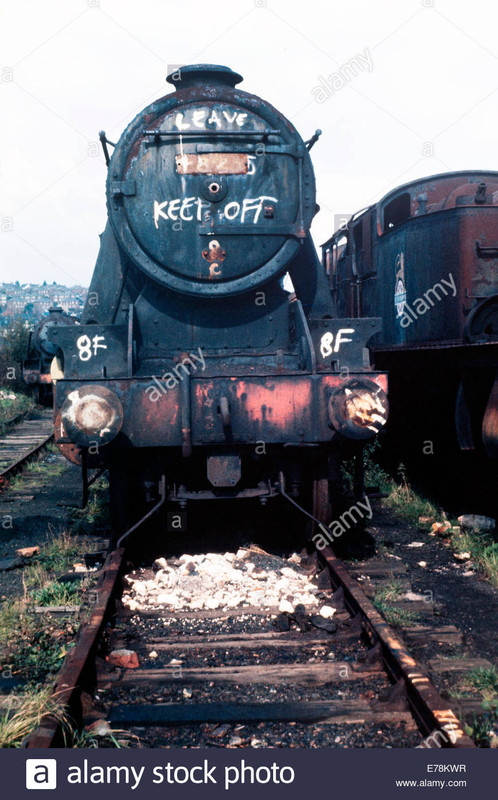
point(431, 712)
point(276, 409)
point(224, 470)
point(92, 415)
point(358, 408)
point(79, 663)
point(490, 423)
point(425, 259)
point(404, 253)
point(212, 164)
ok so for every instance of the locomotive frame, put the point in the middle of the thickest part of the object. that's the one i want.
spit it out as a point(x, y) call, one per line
point(194, 374)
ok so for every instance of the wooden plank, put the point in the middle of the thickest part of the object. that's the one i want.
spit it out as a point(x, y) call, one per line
point(333, 712)
point(458, 664)
point(379, 569)
point(422, 634)
point(251, 641)
point(302, 674)
point(219, 613)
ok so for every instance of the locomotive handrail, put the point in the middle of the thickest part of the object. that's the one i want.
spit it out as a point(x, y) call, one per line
point(207, 132)
point(237, 230)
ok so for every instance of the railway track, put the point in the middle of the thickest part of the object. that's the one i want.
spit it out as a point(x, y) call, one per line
point(23, 441)
point(229, 677)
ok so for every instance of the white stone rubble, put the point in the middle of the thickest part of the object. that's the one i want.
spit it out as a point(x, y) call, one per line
point(222, 581)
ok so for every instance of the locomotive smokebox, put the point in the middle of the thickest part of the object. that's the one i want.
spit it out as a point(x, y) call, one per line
point(211, 191)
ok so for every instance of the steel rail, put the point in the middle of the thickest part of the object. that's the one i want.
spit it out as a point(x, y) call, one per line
point(434, 717)
point(78, 669)
point(17, 466)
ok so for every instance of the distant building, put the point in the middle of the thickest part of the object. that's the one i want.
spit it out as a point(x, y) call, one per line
point(30, 302)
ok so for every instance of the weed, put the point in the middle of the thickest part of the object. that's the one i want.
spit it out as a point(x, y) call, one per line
point(484, 727)
point(485, 680)
point(96, 512)
point(17, 724)
point(57, 594)
point(108, 738)
point(389, 591)
point(400, 496)
point(60, 552)
point(11, 407)
point(483, 550)
point(40, 655)
point(395, 616)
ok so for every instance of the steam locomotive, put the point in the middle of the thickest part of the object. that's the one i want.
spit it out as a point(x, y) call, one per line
point(425, 259)
point(195, 375)
point(39, 368)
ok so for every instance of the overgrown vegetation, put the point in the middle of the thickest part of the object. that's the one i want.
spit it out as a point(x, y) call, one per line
point(96, 514)
point(106, 737)
point(38, 467)
point(485, 680)
point(57, 594)
point(12, 405)
point(33, 645)
point(408, 504)
point(484, 727)
point(58, 555)
point(483, 550)
point(400, 496)
point(397, 616)
point(36, 703)
point(13, 350)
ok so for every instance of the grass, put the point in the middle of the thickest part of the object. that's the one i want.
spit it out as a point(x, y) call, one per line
point(17, 724)
point(395, 616)
point(96, 513)
point(483, 550)
point(389, 592)
point(59, 553)
point(483, 729)
point(27, 711)
point(111, 738)
point(37, 467)
point(409, 505)
point(485, 680)
point(484, 726)
point(12, 407)
point(383, 600)
point(39, 655)
point(34, 645)
point(57, 594)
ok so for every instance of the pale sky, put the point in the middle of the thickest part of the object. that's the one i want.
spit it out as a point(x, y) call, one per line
point(424, 100)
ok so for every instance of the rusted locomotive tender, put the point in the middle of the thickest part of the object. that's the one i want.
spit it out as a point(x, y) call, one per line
point(425, 259)
point(194, 374)
point(39, 368)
